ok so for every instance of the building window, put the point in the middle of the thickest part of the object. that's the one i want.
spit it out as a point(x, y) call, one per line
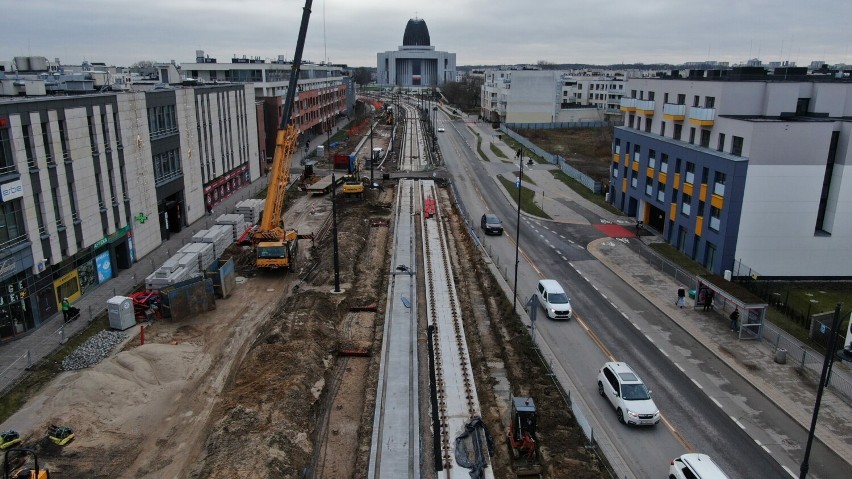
point(28, 146)
point(12, 230)
point(678, 130)
point(721, 146)
point(715, 218)
point(661, 193)
point(692, 136)
point(615, 170)
point(649, 186)
point(681, 99)
point(617, 146)
point(664, 163)
point(709, 102)
point(737, 146)
point(631, 119)
point(652, 158)
point(666, 97)
point(637, 150)
point(695, 100)
point(7, 163)
point(705, 175)
point(719, 184)
point(647, 125)
point(633, 178)
point(709, 255)
point(690, 172)
point(705, 138)
point(686, 206)
point(651, 96)
point(662, 128)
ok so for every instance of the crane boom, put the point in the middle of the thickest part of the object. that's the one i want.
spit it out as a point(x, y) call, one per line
point(275, 246)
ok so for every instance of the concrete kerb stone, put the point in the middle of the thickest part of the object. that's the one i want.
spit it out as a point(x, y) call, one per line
point(767, 389)
point(613, 456)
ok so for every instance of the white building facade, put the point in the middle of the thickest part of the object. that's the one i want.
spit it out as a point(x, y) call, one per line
point(520, 97)
point(416, 63)
point(742, 175)
point(93, 183)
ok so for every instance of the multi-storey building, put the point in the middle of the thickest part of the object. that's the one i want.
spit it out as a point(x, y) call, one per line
point(92, 183)
point(324, 90)
point(549, 96)
point(741, 170)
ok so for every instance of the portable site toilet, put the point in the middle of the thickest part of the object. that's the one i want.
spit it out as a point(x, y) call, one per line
point(120, 312)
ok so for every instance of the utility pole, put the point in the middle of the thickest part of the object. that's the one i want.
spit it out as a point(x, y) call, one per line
point(334, 234)
point(518, 229)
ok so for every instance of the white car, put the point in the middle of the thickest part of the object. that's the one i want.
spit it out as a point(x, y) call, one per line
point(440, 129)
point(628, 395)
point(695, 466)
point(553, 299)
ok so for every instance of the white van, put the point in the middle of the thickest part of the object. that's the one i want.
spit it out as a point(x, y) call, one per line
point(695, 466)
point(553, 298)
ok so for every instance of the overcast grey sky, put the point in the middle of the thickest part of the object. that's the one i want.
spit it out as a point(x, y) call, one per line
point(121, 32)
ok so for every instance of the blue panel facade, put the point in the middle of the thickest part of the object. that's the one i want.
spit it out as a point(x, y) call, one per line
point(650, 200)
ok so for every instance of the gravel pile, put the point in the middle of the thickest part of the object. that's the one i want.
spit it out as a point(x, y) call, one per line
point(93, 350)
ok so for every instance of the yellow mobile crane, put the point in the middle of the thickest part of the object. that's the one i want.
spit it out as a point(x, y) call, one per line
point(275, 246)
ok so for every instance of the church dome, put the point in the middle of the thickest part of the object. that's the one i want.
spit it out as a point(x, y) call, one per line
point(416, 33)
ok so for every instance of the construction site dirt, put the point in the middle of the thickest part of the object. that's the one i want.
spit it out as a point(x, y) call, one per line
point(279, 380)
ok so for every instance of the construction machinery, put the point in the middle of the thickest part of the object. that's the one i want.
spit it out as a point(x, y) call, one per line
point(275, 246)
point(60, 435)
point(521, 437)
point(17, 465)
point(9, 438)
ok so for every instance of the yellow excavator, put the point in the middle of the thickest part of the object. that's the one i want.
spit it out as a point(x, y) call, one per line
point(276, 247)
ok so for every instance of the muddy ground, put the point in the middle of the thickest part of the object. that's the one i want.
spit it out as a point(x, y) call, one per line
point(279, 380)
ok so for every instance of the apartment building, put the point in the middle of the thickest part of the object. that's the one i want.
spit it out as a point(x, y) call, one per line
point(549, 96)
point(90, 184)
point(741, 170)
point(324, 90)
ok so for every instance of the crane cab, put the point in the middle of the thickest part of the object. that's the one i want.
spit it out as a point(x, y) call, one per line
point(277, 254)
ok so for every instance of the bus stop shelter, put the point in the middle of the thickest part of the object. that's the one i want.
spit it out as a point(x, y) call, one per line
point(752, 314)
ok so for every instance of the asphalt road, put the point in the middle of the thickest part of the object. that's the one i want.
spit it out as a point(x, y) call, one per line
point(614, 322)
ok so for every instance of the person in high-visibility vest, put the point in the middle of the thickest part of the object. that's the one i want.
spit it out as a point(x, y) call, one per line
point(66, 307)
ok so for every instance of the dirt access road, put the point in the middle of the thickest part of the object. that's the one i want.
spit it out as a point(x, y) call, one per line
point(257, 388)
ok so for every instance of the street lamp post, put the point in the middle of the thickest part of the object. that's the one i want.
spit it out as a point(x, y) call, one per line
point(518, 228)
point(826, 369)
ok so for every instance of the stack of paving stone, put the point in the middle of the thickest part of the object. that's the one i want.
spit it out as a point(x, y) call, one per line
point(251, 209)
point(174, 270)
point(205, 253)
point(236, 222)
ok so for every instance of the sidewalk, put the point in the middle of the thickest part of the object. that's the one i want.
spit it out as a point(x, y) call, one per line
point(782, 384)
point(17, 355)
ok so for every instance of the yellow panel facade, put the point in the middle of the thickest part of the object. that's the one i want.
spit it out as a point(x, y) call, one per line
point(702, 195)
point(673, 210)
point(662, 177)
point(717, 201)
point(699, 223)
point(687, 189)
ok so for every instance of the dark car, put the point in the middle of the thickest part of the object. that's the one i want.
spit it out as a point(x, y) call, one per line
point(491, 224)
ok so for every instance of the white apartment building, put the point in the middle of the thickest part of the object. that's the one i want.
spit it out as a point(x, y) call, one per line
point(93, 183)
point(549, 96)
point(322, 92)
point(741, 168)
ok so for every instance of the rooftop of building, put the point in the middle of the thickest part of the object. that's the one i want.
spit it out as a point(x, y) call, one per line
point(759, 73)
point(416, 33)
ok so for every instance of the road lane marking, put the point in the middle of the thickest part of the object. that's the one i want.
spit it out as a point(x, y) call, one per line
point(738, 423)
point(717, 402)
point(696, 383)
point(794, 476)
point(664, 353)
point(681, 369)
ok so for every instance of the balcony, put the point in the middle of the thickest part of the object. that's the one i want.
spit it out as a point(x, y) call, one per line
point(628, 104)
point(702, 116)
point(645, 107)
point(674, 112)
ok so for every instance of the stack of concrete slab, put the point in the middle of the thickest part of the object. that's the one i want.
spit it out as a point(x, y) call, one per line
point(236, 222)
point(174, 270)
point(251, 209)
point(220, 235)
point(199, 237)
point(206, 253)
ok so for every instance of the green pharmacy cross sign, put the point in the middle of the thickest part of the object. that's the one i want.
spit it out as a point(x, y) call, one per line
point(141, 217)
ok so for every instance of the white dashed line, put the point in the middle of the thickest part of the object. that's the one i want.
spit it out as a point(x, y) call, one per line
point(558, 252)
point(717, 402)
point(627, 317)
point(636, 326)
point(764, 447)
point(596, 288)
point(613, 305)
point(649, 338)
point(603, 296)
point(561, 236)
point(737, 422)
point(564, 258)
point(681, 369)
point(570, 241)
point(664, 353)
point(696, 383)
point(794, 476)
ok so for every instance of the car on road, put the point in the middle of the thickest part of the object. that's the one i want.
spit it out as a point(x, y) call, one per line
point(440, 129)
point(627, 393)
point(695, 466)
point(553, 299)
point(491, 224)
